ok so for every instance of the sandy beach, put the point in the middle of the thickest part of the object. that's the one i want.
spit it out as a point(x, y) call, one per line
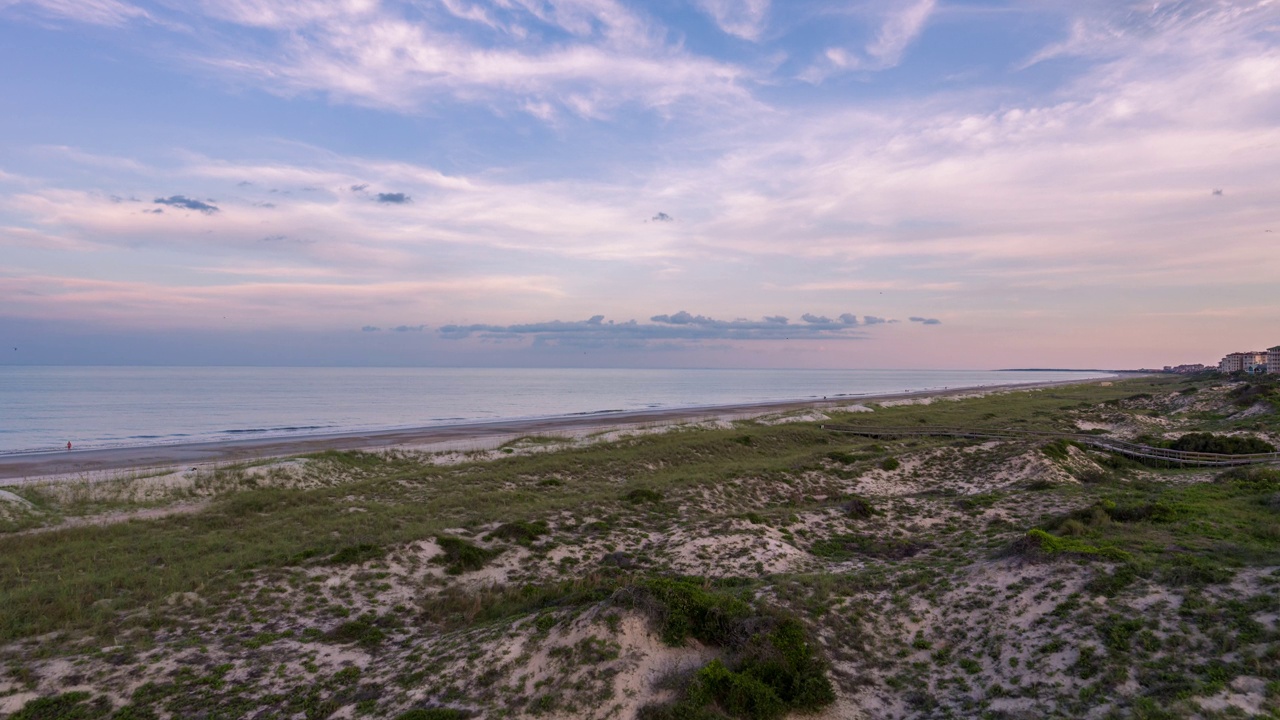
point(24, 466)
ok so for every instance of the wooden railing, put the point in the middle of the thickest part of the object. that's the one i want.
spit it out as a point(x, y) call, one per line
point(1181, 457)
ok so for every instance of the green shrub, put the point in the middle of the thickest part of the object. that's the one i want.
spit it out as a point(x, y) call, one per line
point(366, 631)
point(1151, 512)
point(683, 609)
point(523, 533)
point(1071, 528)
point(1118, 633)
point(843, 457)
point(890, 464)
point(1093, 476)
point(740, 695)
point(843, 547)
point(68, 706)
point(460, 556)
point(355, 554)
point(1110, 584)
point(1057, 450)
point(859, 508)
point(770, 666)
point(1039, 542)
point(1222, 444)
point(1105, 511)
point(1252, 392)
point(770, 675)
point(1193, 570)
point(643, 495)
point(1257, 479)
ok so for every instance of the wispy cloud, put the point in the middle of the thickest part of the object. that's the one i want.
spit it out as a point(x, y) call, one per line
point(247, 304)
point(899, 30)
point(390, 55)
point(900, 25)
point(743, 18)
point(95, 12)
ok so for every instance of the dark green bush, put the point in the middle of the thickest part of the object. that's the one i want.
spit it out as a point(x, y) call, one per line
point(772, 670)
point(1105, 511)
point(368, 630)
point(68, 706)
point(843, 547)
point(460, 556)
point(354, 554)
point(1222, 444)
point(683, 609)
point(1057, 450)
point(859, 508)
point(523, 533)
point(1257, 479)
point(1252, 392)
point(643, 495)
point(1110, 584)
point(1193, 570)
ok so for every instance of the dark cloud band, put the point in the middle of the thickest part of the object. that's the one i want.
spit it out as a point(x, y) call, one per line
point(182, 201)
point(683, 325)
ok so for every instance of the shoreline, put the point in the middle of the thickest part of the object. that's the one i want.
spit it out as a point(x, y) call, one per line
point(27, 466)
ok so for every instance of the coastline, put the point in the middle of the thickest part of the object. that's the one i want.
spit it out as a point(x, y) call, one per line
point(23, 467)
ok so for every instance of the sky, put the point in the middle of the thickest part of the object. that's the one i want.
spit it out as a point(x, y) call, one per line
point(670, 183)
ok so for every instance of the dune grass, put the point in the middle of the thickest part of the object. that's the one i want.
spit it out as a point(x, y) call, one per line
point(867, 561)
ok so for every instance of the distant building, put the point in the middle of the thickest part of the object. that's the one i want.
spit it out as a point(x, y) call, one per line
point(1186, 369)
point(1250, 362)
point(1273, 360)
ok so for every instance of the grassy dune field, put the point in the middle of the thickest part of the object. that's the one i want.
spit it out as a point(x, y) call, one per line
point(759, 569)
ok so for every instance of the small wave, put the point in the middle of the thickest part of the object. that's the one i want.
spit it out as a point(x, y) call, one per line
point(290, 428)
point(595, 412)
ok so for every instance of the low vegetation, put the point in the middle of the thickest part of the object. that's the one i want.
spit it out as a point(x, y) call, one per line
point(758, 569)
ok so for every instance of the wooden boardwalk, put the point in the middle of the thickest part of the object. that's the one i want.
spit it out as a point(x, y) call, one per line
point(1180, 457)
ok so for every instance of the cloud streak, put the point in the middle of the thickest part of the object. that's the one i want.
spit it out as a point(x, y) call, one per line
point(741, 18)
point(900, 27)
point(186, 203)
point(679, 326)
point(391, 56)
point(95, 12)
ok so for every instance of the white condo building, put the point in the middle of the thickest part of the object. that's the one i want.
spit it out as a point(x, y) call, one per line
point(1246, 361)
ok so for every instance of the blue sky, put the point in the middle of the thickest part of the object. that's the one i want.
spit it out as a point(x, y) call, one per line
point(931, 183)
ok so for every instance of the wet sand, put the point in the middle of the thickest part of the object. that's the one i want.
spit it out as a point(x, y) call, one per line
point(30, 465)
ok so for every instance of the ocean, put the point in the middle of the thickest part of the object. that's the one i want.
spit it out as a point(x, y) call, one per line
point(43, 408)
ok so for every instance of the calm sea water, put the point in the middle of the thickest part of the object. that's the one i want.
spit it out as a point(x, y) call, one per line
point(41, 408)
